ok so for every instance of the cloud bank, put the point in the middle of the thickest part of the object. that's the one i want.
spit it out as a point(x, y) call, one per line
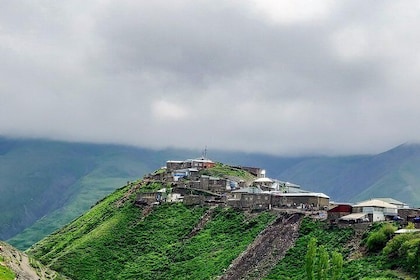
point(280, 77)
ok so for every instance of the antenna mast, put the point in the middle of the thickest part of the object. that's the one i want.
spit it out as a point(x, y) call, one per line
point(205, 152)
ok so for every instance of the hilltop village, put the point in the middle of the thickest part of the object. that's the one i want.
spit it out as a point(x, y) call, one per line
point(201, 181)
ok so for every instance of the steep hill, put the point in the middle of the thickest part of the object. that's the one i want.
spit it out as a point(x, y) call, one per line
point(116, 240)
point(17, 265)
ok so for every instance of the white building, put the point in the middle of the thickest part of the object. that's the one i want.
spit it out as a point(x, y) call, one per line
point(376, 209)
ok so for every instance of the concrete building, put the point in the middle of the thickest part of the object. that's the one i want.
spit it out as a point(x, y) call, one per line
point(304, 200)
point(376, 210)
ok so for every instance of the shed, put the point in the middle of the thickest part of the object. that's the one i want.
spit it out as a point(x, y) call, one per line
point(355, 218)
point(339, 210)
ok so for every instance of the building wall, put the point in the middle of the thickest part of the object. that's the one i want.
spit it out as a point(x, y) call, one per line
point(217, 186)
point(341, 208)
point(194, 199)
point(255, 201)
point(297, 201)
point(253, 170)
point(174, 165)
point(235, 203)
point(336, 215)
point(204, 183)
point(148, 198)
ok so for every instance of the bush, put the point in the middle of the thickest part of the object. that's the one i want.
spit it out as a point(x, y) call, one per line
point(376, 241)
point(388, 230)
point(378, 238)
point(404, 251)
point(392, 247)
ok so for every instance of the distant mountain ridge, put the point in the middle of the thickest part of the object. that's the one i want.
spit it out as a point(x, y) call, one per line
point(45, 184)
point(394, 173)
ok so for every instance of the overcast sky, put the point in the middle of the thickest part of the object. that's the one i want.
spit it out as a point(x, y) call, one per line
point(280, 77)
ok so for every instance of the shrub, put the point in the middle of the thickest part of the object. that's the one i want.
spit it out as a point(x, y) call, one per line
point(392, 247)
point(376, 241)
point(378, 238)
point(404, 251)
point(336, 265)
point(323, 263)
point(310, 259)
point(388, 230)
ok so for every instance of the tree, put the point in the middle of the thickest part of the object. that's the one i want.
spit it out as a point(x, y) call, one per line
point(336, 265)
point(326, 268)
point(310, 259)
point(323, 263)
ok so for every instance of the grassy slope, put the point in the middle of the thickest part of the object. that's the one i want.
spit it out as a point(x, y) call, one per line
point(6, 273)
point(109, 242)
point(221, 170)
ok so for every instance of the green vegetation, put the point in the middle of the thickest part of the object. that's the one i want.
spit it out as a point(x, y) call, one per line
point(404, 251)
point(222, 170)
point(379, 236)
point(6, 273)
point(310, 259)
point(318, 257)
point(153, 186)
point(116, 241)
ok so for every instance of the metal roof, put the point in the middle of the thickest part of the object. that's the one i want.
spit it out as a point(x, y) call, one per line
point(375, 203)
point(301, 194)
point(248, 190)
point(354, 216)
point(263, 180)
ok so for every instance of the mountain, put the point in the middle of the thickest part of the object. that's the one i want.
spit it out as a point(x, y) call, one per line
point(45, 184)
point(394, 173)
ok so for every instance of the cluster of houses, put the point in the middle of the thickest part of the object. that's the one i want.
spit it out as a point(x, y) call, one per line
point(188, 181)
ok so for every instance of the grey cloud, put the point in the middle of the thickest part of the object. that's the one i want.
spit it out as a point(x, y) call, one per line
point(210, 73)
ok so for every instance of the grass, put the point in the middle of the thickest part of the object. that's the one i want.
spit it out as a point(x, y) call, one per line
point(222, 170)
point(111, 242)
point(6, 273)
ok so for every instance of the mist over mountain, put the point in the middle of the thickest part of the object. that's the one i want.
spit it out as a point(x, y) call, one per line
point(45, 184)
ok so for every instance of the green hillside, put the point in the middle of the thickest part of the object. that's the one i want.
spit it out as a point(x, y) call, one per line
point(118, 240)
